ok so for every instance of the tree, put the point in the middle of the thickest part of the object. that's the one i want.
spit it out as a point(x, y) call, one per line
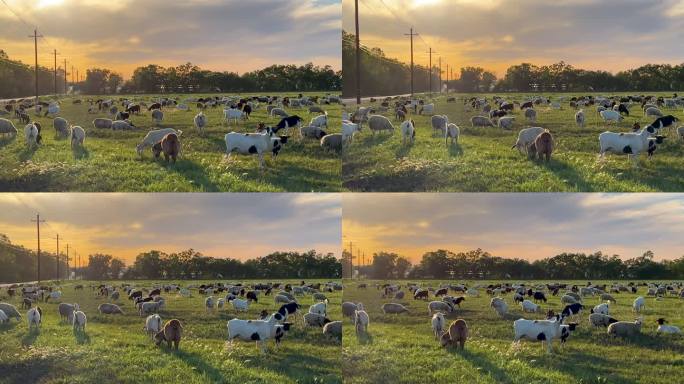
point(98, 266)
point(116, 267)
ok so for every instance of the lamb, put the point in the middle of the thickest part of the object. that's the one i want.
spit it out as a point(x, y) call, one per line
point(32, 135)
point(154, 137)
point(333, 329)
point(320, 121)
point(312, 132)
point(630, 144)
point(580, 118)
point(209, 303)
point(153, 324)
point(122, 124)
point(528, 306)
point(33, 316)
point(457, 334)
point(408, 131)
point(170, 145)
point(506, 122)
point(171, 333)
point(610, 115)
point(7, 128)
point(240, 305)
point(10, 310)
point(319, 297)
point(102, 123)
point(61, 126)
point(379, 123)
point(499, 306)
point(361, 321)
point(281, 299)
point(625, 328)
point(453, 132)
point(663, 328)
point(257, 330)
point(601, 320)
point(332, 141)
point(77, 136)
point(481, 121)
point(439, 123)
point(277, 112)
point(526, 137)
point(234, 114)
point(316, 109)
point(66, 311)
point(437, 306)
point(438, 322)
point(157, 116)
point(601, 308)
point(393, 308)
point(639, 304)
point(79, 321)
point(109, 309)
point(348, 130)
point(349, 308)
point(55, 295)
point(531, 115)
point(200, 121)
point(542, 147)
point(249, 143)
point(540, 330)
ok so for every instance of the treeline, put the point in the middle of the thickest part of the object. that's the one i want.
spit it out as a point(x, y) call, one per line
point(381, 75)
point(385, 76)
point(18, 79)
point(20, 264)
point(479, 264)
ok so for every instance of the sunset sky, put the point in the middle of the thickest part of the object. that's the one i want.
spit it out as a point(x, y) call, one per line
point(220, 225)
point(530, 226)
point(610, 35)
point(215, 34)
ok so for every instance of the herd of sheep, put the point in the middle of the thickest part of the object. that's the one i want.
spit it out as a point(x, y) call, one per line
point(534, 141)
point(236, 109)
point(545, 327)
point(150, 302)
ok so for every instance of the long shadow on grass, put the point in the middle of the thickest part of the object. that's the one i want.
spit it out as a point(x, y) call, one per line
point(579, 365)
point(27, 153)
point(364, 338)
point(455, 150)
point(403, 150)
point(81, 337)
point(481, 360)
point(566, 172)
point(197, 362)
point(295, 178)
point(193, 172)
point(30, 337)
point(80, 152)
point(298, 365)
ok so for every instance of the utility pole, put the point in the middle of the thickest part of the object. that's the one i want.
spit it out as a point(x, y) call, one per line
point(58, 256)
point(65, 77)
point(351, 258)
point(440, 75)
point(35, 37)
point(411, 34)
point(67, 262)
point(72, 75)
point(38, 221)
point(430, 74)
point(358, 54)
point(447, 76)
point(55, 73)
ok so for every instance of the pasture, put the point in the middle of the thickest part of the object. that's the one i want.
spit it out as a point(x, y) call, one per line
point(115, 349)
point(483, 160)
point(401, 348)
point(108, 161)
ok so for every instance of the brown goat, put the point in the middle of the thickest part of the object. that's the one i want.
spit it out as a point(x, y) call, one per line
point(170, 333)
point(456, 335)
point(544, 145)
point(171, 147)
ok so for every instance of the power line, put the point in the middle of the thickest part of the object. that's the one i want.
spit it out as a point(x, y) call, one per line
point(16, 14)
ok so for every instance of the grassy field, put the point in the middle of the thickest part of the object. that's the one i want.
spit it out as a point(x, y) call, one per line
point(484, 161)
point(402, 349)
point(116, 350)
point(109, 162)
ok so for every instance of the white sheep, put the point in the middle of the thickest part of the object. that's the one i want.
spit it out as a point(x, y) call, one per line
point(154, 137)
point(610, 115)
point(653, 112)
point(31, 134)
point(319, 308)
point(639, 304)
point(526, 137)
point(234, 114)
point(380, 123)
point(580, 118)
point(209, 303)
point(481, 121)
point(102, 123)
point(440, 306)
point(157, 116)
point(79, 321)
point(630, 144)
point(240, 305)
point(122, 124)
point(427, 109)
point(249, 144)
point(257, 330)
point(528, 306)
point(3, 317)
point(601, 308)
point(348, 130)
point(531, 115)
point(408, 132)
point(320, 121)
point(601, 320)
point(33, 316)
point(77, 136)
point(61, 126)
point(499, 306)
point(664, 328)
point(538, 330)
point(153, 324)
point(439, 123)
point(506, 122)
point(438, 322)
point(625, 329)
point(361, 321)
point(200, 121)
point(452, 132)
point(7, 128)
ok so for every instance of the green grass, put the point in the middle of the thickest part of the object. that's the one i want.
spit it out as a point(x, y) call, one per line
point(402, 349)
point(109, 162)
point(116, 350)
point(484, 161)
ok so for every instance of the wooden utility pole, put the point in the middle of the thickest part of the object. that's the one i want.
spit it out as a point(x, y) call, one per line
point(58, 256)
point(430, 73)
point(447, 80)
point(440, 75)
point(65, 77)
point(38, 221)
point(35, 37)
point(358, 54)
point(411, 34)
point(67, 262)
point(55, 70)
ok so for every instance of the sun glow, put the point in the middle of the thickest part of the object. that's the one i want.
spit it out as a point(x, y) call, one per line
point(48, 3)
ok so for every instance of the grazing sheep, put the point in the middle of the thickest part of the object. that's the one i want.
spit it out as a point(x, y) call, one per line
point(102, 123)
point(531, 115)
point(150, 307)
point(109, 309)
point(580, 118)
point(653, 111)
point(526, 137)
point(348, 130)
point(170, 145)
point(438, 322)
point(506, 122)
point(333, 329)
point(528, 306)
point(639, 304)
point(7, 128)
point(453, 132)
point(361, 321)
point(663, 328)
point(154, 137)
point(399, 295)
point(33, 316)
point(258, 330)
point(312, 132)
point(332, 141)
point(601, 308)
point(319, 308)
point(349, 308)
point(543, 146)
point(439, 123)
point(79, 321)
point(601, 320)
point(408, 131)
point(625, 328)
point(240, 305)
point(281, 299)
point(428, 109)
point(153, 324)
point(315, 320)
point(481, 121)
point(171, 333)
point(10, 310)
point(538, 330)
point(277, 112)
point(630, 144)
point(379, 123)
point(32, 135)
point(320, 121)
point(200, 121)
point(77, 136)
point(572, 309)
point(607, 297)
point(439, 306)
point(209, 303)
point(250, 143)
point(157, 116)
point(319, 297)
point(122, 124)
point(499, 306)
point(610, 115)
point(393, 308)
point(67, 310)
point(457, 334)
point(61, 126)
